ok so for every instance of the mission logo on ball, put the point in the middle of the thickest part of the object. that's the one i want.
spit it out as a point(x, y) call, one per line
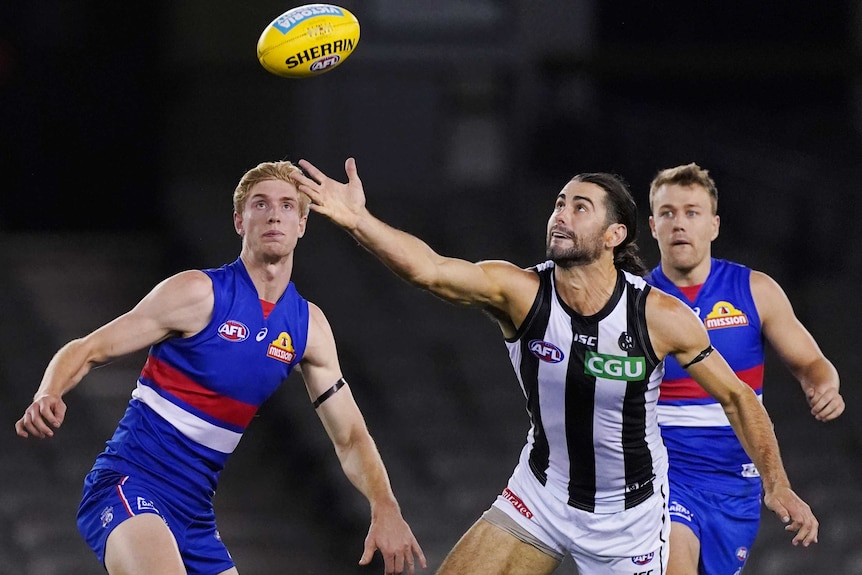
point(308, 40)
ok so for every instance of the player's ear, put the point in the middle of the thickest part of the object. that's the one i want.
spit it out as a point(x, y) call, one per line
point(716, 225)
point(237, 224)
point(652, 227)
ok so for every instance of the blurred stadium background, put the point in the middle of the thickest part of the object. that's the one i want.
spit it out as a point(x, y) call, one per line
point(124, 128)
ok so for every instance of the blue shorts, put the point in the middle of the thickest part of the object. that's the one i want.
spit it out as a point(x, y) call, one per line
point(110, 498)
point(725, 525)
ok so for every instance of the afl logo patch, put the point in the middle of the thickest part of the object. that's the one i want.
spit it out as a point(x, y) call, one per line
point(643, 559)
point(233, 331)
point(546, 351)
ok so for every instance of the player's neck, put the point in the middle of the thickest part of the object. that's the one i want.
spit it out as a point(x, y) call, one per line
point(270, 277)
point(686, 276)
point(586, 289)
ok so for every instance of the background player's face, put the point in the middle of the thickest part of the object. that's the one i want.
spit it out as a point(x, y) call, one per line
point(683, 224)
point(271, 222)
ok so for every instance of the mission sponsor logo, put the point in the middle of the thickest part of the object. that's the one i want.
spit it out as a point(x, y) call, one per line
point(232, 330)
point(724, 314)
point(616, 367)
point(282, 348)
point(546, 351)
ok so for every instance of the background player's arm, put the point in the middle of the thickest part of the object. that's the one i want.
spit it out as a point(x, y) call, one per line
point(797, 348)
point(179, 305)
point(356, 449)
point(676, 331)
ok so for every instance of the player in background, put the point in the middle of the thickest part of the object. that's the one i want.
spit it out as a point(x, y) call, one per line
point(221, 341)
point(714, 486)
point(586, 336)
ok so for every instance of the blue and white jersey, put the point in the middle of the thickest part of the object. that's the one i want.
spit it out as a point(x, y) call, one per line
point(702, 447)
point(195, 396)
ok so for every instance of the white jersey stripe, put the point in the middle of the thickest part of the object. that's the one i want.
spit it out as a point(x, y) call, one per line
point(190, 425)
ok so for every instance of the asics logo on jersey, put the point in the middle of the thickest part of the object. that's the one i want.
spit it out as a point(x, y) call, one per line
point(546, 351)
point(614, 366)
point(233, 330)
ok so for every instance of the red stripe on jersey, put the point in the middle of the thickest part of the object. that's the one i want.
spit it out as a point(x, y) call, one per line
point(208, 401)
point(687, 388)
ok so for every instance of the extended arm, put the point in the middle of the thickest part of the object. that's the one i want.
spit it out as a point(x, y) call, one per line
point(499, 287)
point(357, 451)
point(179, 305)
point(675, 330)
point(797, 348)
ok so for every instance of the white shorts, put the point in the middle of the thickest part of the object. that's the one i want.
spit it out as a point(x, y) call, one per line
point(630, 542)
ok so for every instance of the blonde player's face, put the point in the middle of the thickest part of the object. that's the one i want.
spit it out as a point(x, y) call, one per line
point(271, 222)
point(684, 225)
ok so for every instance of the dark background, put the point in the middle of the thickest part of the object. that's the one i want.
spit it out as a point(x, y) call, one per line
point(125, 126)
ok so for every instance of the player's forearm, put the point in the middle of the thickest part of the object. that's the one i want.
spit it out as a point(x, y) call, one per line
point(406, 255)
point(755, 431)
point(819, 375)
point(66, 369)
point(363, 466)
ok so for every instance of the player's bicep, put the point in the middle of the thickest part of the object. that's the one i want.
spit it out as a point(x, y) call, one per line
point(179, 305)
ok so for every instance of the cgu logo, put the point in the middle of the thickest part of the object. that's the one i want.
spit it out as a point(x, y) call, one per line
point(614, 366)
point(232, 331)
point(546, 351)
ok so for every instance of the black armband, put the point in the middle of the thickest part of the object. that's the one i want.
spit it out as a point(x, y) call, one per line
point(700, 357)
point(329, 392)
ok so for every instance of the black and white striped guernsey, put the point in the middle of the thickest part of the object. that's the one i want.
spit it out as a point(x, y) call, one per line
point(591, 385)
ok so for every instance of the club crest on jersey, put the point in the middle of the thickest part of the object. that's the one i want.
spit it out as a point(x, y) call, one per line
point(233, 330)
point(724, 314)
point(282, 348)
point(546, 351)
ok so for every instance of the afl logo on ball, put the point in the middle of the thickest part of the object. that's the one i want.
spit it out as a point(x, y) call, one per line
point(233, 331)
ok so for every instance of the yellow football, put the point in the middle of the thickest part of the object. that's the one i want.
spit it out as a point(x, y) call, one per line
point(308, 40)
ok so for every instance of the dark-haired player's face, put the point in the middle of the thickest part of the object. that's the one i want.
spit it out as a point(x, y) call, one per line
point(577, 225)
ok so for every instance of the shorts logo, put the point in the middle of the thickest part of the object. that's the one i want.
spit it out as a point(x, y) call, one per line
point(742, 553)
point(232, 330)
point(749, 470)
point(282, 348)
point(517, 503)
point(643, 559)
point(678, 510)
point(724, 314)
point(546, 351)
point(107, 515)
point(144, 504)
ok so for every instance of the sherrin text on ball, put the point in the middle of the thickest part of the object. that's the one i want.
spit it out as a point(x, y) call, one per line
point(308, 40)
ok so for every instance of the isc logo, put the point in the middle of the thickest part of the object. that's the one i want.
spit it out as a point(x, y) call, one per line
point(546, 351)
point(233, 331)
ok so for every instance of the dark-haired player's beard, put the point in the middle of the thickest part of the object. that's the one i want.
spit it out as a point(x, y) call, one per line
point(583, 251)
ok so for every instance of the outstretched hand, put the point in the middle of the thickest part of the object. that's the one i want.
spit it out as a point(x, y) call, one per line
point(795, 514)
point(344, 204)
point(392, 536)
